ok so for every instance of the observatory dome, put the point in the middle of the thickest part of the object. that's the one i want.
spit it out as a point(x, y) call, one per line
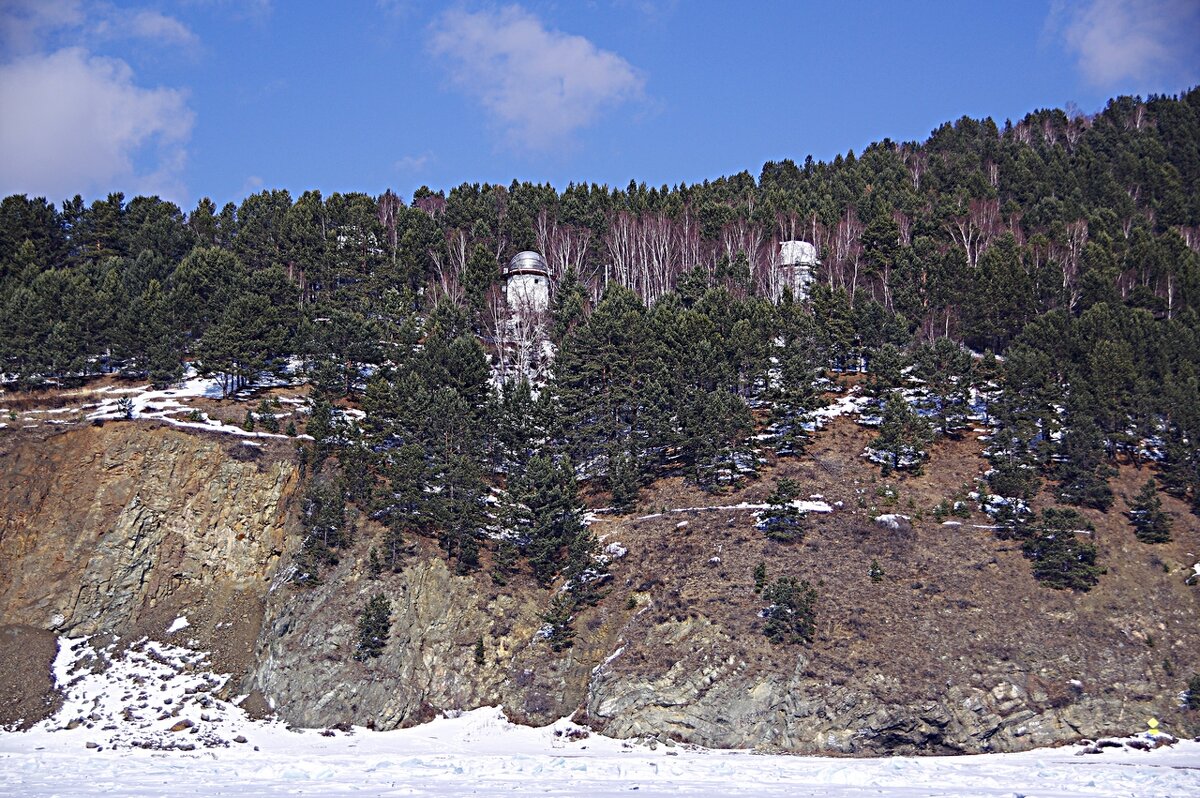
point(528, 262)
point(527, 282)
point(798, 253)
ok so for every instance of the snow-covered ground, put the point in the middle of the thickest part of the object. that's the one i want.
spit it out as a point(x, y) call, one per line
point(804, 507)
point(161, 697)
point(170, 405)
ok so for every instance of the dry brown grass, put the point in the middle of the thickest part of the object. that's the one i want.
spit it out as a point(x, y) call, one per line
point(957, 605)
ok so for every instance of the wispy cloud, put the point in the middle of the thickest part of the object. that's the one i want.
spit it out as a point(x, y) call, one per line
point(1132, 40)
point(29, 25)
point(538, 85)
point(653, 12)
point(24, 24)
point(251, 185)
point(151, 26)
point(397, 7)
point(84, 124)
point(412, 163)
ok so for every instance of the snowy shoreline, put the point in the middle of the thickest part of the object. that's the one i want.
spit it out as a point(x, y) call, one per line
point(151, 724)
point(479, 752)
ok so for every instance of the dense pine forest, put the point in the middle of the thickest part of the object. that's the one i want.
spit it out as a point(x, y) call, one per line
point(1042, 275)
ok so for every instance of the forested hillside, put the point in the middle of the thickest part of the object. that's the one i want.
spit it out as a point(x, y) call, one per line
point(1041, 277)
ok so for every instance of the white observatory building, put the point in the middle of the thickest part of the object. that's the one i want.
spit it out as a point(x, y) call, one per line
point(527, 282)
point(798, 264)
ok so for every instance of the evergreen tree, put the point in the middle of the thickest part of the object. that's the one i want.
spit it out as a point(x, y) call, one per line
point(714, 429)
point(1082, 468)
point(323, 518)
point(1060, 559)
point(393, 544)
point(885, 371)
point(558, 631)
point(946, 369)
point(374, 624)
point(791, 611)
point(567, 306)
point(624, 478)
point(267, 417)
point(1150, 523)
point(782, 520)
point(547, 515)
point(903, 436)
point(760, 577)
point(504, 563)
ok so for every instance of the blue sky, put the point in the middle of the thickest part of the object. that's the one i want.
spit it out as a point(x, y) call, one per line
point(221, 98)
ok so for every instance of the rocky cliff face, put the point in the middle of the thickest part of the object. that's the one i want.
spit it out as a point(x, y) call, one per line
point(122, 529)
point(431, 663)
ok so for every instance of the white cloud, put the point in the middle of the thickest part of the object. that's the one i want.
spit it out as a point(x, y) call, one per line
point(143, 24)
point(24, 23)
point(79, 124)
point(76, 122)
point(397, 7)
point(538, 85)
point(653, 12)
point(27, 25)
point(1133, 40)
point(412, 163)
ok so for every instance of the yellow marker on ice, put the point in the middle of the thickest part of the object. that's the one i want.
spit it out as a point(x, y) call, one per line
point(1153, 724)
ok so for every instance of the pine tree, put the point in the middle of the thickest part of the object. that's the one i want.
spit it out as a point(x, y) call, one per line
point(1150, 523)
point(875, 571)
point(558, 631)
point(791, 613)
point(714, 428)
point(946, 369)
point(267, 417)
point(393, 544)
point(1082, 470)
point(885, 372)
point(567, 305)
point(624, 477)
point(374, 624)
point(160, 342)
point(782, 520)
point(1060, 559)
point(323, 517)
point(546, 514)
point(903, 436)
point(504, 563)
point(600, 378)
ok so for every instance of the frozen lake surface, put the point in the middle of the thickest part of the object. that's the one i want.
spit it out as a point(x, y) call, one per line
point(480, 753)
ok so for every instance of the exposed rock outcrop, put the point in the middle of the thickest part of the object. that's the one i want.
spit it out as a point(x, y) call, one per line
point(123, 528)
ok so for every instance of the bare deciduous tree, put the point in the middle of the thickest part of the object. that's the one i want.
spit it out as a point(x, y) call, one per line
point(450, 266)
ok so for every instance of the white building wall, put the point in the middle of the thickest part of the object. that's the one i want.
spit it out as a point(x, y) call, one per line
point(794, 252)
point(528, 292)
point(800, 278)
